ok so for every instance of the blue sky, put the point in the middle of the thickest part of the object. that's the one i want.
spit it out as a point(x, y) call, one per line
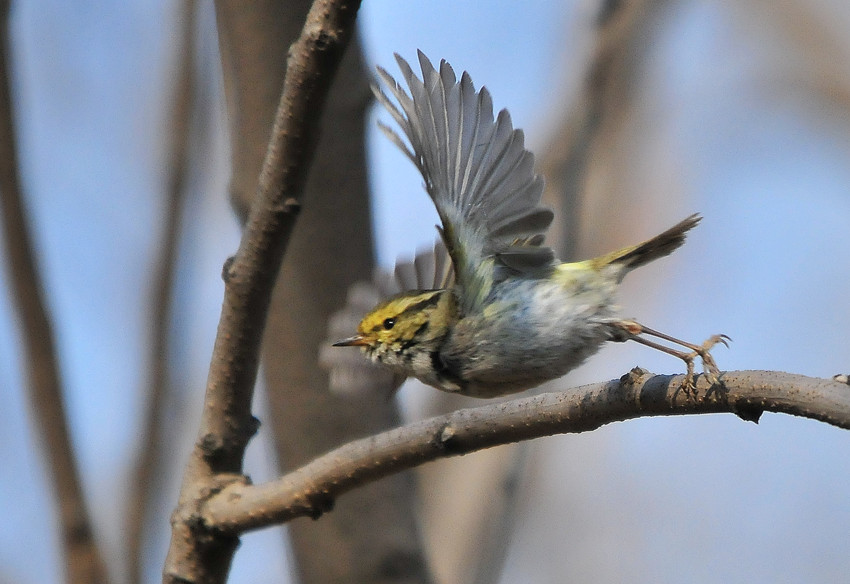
point(724, 121)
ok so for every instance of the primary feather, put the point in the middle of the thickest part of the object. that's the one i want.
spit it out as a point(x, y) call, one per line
point(477, 172)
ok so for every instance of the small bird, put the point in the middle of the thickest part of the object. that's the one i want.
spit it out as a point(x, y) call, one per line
point(511, 316)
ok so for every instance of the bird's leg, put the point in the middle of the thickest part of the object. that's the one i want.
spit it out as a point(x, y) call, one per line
point(703, 351)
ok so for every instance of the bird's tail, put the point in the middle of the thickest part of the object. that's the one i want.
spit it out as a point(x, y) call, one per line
point(659, 246)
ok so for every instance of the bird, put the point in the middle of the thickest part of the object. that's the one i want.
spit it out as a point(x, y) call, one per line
point(509, 315)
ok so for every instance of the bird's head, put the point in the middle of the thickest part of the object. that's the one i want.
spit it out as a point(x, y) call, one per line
point(398, 328)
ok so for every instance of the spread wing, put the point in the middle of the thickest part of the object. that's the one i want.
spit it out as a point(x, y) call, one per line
point(477, 172)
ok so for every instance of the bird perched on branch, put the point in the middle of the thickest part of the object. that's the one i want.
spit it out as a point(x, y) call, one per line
point(510, 316)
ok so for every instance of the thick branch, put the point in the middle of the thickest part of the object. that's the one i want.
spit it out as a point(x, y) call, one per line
point(312, 489)
point(83, 561)
point(227, 424)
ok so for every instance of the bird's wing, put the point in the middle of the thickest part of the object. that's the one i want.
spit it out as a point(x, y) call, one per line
point(430, 269)
point(476, 170)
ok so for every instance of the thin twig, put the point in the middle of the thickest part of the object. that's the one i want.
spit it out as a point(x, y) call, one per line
point(197, 554)
point(150, 444)
point(312, 489)
point(83, 560)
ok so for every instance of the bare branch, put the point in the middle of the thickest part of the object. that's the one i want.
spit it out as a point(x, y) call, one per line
point(312, 489)
point(196, 554)
point(150, 444)
point(83, 560)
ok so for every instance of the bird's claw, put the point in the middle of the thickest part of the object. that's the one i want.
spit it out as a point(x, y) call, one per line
point(710, 369)
point(629, 329)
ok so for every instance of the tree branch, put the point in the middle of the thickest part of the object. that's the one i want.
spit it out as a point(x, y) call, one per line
point(312, 489)
point(196, 554)
point(83, 560)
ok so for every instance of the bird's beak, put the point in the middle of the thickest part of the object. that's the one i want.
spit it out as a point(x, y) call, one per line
point(355, 341)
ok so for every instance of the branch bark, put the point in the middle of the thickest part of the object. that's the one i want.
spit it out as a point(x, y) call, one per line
point(198, 554)
point(83, 559)
point(311, 490)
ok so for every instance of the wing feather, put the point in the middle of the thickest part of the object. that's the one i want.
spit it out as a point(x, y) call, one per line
point(477, 172)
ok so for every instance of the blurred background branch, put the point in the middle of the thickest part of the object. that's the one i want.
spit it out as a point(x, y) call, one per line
point(83, 561)
point(599, 110)
point(145, 479)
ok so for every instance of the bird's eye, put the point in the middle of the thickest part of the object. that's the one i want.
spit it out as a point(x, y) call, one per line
point(389, 323)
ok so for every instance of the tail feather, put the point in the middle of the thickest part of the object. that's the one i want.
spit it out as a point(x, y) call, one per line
point(659, 246)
